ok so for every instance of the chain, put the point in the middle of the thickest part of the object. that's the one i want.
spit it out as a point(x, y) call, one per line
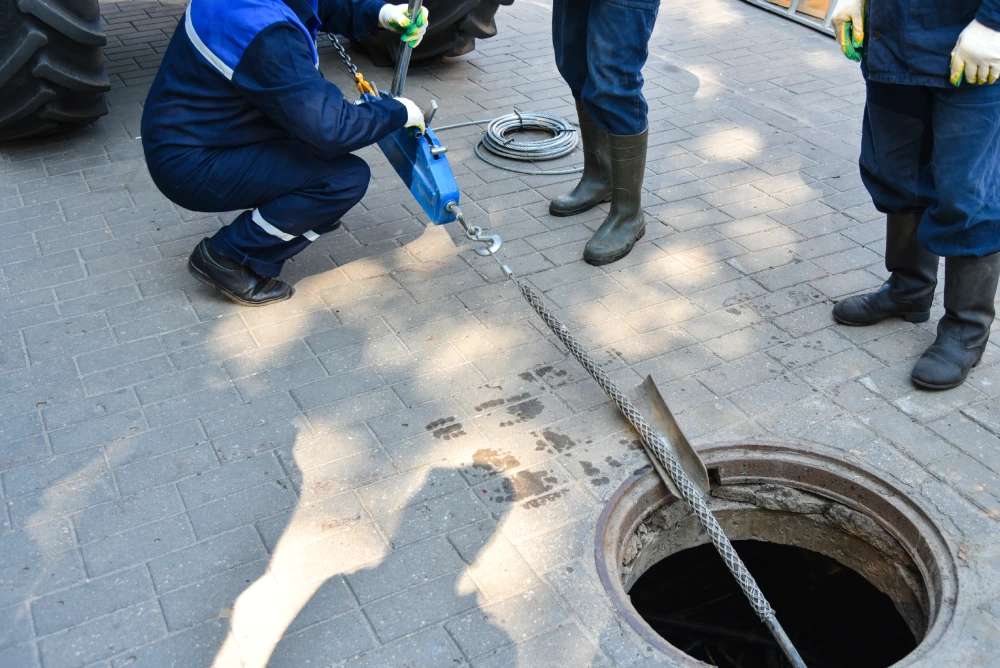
point(359, 79)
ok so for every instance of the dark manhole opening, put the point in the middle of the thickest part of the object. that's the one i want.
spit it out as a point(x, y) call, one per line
point(835, 617)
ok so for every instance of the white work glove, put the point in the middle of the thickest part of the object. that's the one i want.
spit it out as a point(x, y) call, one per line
point(397, 19)
point(849, 11)
point(414, 117)
point(977, 53)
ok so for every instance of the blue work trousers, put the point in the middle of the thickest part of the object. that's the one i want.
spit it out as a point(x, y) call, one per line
point(291, 196)
point(936, 151)
point(601, 46)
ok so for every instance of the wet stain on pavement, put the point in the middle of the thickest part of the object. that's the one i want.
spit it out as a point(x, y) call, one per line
point(486, 405)
point(554, 443)
point(634, 444)
point(493, 403)
point(494, 460)
point(542, 500)
point(592, 471)
point(523, 412)
point(445, 428)
point(524, 485)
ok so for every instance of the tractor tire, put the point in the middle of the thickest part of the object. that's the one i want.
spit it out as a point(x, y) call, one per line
point(454, 27)
point(52, 75)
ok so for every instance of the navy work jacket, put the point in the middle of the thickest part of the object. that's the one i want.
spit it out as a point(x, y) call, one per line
point(238, 72)
point(910, 41)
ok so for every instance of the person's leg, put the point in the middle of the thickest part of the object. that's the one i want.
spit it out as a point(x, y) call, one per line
point(617, 47)
point(963, 225)
point(292, 197)
point(569, 41)
point(569, 37)
point(896, 144)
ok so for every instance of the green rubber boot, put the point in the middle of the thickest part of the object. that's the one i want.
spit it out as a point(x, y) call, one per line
point(595, 184)
point(626, 224)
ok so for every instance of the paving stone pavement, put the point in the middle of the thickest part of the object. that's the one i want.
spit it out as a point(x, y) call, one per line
point(400, 466)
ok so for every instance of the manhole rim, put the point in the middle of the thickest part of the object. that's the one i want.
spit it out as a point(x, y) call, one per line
point(942, 590)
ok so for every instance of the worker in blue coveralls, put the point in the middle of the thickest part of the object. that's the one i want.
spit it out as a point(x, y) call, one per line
point(601, 46)
point(239, 117)
point(930, 158)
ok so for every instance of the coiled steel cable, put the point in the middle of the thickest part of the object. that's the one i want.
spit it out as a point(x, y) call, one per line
point(497, 141)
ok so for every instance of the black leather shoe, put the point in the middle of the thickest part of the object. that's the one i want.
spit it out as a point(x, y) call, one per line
point(625, 224)
point(970, 286)
point(595, 184)
point(241, 284)
point(910, 289)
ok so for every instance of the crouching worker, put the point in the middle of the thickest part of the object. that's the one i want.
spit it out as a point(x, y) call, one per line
point(930, 158)
point(239, 117)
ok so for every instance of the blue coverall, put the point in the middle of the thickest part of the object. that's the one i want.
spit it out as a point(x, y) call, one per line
point(928, 147)
point(601, 46)
point(239, 117)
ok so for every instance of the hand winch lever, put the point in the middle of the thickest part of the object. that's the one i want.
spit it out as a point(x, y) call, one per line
point(403, 59)
point(475, 233)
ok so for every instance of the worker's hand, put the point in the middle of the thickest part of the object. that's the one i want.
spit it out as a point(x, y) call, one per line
point(849, 27)
point(397, 19)
point(414, 117)
point(977, 55)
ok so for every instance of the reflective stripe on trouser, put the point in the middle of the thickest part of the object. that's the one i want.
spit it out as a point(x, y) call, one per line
point(600, 48)
point(291, 195)
point(936, 151)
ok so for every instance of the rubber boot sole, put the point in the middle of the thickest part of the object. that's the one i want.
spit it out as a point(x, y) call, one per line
point(566, 213)
point(908, 317)
point(617, 256)
point(207, 280)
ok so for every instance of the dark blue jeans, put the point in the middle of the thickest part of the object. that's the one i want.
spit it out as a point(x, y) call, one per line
point(601, 46)
point(936, 151)
point(292, 195)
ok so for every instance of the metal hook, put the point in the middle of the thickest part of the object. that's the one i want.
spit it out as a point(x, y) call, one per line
point(475, 233)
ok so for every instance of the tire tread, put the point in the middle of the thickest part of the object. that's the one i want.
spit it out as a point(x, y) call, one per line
point(52, 74)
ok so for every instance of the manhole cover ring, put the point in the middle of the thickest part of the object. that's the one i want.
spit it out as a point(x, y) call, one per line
point(803, 468)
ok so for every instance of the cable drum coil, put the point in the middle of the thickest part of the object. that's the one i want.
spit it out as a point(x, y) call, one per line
point(496, 141)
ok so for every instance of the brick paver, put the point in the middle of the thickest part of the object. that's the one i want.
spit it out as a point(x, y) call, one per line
point(400, 466)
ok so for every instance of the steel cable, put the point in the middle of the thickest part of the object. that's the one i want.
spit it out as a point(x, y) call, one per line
point(692, 496)
point(497, 141)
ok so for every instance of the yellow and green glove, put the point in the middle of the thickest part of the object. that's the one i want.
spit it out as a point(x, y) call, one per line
point(397, 19)
point(849, 27)
point(976, 56)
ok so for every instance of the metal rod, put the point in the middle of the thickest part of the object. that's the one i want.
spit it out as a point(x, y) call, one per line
point(403, 59)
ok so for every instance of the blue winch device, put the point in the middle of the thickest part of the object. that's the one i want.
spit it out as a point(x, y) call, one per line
point(420, 160)
point(418, 156)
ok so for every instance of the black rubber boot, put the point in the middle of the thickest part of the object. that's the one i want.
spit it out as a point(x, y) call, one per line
point(595, 184)
point(626, 224)
point(970, 287)
point(241, 284)
point(910, 289)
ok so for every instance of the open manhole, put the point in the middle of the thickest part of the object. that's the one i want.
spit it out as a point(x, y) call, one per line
point(858, 574)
